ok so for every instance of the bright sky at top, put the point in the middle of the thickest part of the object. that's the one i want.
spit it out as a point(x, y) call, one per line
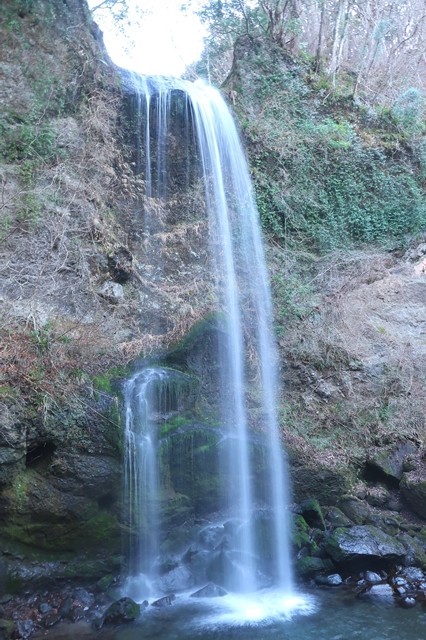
point(157, 39)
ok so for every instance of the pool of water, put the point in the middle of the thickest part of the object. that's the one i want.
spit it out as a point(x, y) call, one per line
point(319, 615)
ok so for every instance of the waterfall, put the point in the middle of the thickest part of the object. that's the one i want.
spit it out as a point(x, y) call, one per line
point(244, 297)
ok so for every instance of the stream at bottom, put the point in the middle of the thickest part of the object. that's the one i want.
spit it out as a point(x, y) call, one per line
point(317, 615)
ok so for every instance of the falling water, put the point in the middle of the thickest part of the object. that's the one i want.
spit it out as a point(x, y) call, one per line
point(244, 294)
point(147, 395)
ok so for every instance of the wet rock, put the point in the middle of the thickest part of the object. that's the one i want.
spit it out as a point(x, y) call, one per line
point(197, 562)
point(390, 462)
point(51, 619)
point(309, 566)
point(336, 518)
point(65, 607)
point(76, 614)
point(312, 513)
point(105, 583)
point(382, 592)
point(377, 496)
point(44, 607)
point(111, 291)
point(364, 543)
point(211, 537)
point(121, 611)
point(356, 510)
point(85, 597)
point(413, 489)
point(166, 601)
point(178, 579)
point(226, 569)
point(372, 577)
point(211, 590)
point(24, 629)
point(415, 551)
point(326, 484)
point(5, 598)
point(413, 574)
point(408, 602)
point(333, 580)
point(92, 476)
point(7, 629)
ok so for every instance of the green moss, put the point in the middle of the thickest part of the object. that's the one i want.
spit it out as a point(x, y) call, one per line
point(173, 424)
point(204, 327)
point(102, 528)
point(300, 532)
point(308, 566)
point(106, 381)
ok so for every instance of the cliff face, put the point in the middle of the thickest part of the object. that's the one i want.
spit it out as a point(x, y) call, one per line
point(93, 275)
point(347, 264)
point(91, 278)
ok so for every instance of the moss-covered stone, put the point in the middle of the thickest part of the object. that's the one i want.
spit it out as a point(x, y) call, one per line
point(323, 484)
point(312, 513)
point(355, 509)
point(413, 488)
point(123, 610)
point(300, 532)
point(308, 565)
point(7, 629)
point(363, 543)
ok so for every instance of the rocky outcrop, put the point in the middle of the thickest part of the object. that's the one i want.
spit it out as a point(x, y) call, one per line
point(413, 488)
point(364, 543)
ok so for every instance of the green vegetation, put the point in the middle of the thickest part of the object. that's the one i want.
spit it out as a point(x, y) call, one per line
point(328, 171)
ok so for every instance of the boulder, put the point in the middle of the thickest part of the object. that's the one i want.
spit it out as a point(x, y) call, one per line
point(123, 610)
point(372, 577)
point(111, 291)
point(333, 580)
point(336, 518)
point(309, 566)
point(166, 601)
point(361, 543)
point(413, 489)
point(390, 462)
point(7, 629)
point(355, 509)
point(178, 579)
point(312, 513)
point(415, 550)
point(383, 592)
point(211, 590)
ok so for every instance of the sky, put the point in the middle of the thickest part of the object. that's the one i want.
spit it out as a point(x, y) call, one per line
point(160, 39)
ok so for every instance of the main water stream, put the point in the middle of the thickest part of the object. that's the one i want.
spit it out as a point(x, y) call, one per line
point(246, 351)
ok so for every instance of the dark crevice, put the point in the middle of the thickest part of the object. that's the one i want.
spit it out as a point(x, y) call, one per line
point(39, 453)
point(377, 476)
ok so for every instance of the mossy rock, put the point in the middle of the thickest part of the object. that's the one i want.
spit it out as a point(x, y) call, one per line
point(7, 629)
point(309, 566)
point(123, 610)
point(336, 518)
point(312, 512)
point(413, 489)
point(364, 544)
point(40, 516)
point(415, 548)
point(300, 532)
point(390, 462)
point(324, 485)
point(355, 509)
